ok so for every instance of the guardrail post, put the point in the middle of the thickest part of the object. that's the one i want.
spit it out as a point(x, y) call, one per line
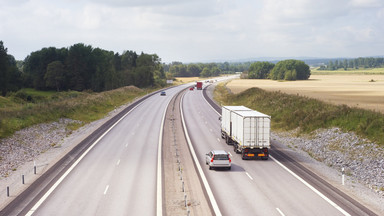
point(22, 179)
point(7, 191)
point(185, 199)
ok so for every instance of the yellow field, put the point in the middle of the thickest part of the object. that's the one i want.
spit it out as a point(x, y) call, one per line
point(182, 80)
point(352, 90)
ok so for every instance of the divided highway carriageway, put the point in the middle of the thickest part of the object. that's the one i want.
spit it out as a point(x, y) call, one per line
point(118, 170)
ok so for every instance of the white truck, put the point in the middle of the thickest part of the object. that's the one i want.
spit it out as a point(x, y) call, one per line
point(247, 130)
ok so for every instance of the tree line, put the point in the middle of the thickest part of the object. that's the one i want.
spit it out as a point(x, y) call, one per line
point(79, 67)
point(10, 75)
point(367, 62)
point(178, 69)
point(283, 70)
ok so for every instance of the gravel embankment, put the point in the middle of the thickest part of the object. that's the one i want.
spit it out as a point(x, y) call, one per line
point(362, 160)
point(25, 145)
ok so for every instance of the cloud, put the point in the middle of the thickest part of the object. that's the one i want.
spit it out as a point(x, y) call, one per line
point(197, 30)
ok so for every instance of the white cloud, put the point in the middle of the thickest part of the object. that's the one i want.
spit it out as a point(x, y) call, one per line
point(197, 30)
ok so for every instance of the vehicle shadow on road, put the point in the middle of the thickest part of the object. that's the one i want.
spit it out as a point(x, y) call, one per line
point(234, 168)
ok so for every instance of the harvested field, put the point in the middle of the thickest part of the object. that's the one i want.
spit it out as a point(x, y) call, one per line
point(362, 91)
point(187, 79)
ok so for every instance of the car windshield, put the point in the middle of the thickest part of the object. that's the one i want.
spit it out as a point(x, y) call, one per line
point(221, 157)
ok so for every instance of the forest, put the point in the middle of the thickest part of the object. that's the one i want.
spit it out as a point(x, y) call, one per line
point(82, 67)
point(79, 67)
point(357, 63)
point(178, 69)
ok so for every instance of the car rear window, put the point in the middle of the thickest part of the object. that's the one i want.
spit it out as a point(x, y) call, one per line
point(221, 157)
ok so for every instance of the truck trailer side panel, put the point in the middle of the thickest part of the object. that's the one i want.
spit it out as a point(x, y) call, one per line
point(226, 120)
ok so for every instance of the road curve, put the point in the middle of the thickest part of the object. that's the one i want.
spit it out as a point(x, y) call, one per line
point(116, 177)
point(252, 187)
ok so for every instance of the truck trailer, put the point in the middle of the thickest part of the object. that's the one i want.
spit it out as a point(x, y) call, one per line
point(247, 130)
point(199, 85)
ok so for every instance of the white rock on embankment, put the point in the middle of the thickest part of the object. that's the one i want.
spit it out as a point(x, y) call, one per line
point(361, 159)
point(25, 145)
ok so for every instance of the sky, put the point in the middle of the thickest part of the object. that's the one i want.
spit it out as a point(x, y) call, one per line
point(198, 30)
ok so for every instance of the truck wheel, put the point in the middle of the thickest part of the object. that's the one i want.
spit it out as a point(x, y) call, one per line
point(210, 167)
point(243, 155)
point(229, 168)
point(264, 158)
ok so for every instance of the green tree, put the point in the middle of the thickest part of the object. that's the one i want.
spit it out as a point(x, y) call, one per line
point(55, 75)
point(4, 69)
point(10, 75)
point(260, 70)
point(215, 71)
point(80, 67)
point(193, 70)
point(297, 70)
point(206, 72)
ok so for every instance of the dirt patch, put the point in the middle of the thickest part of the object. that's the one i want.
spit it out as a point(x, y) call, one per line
point(180, 176)
point(362, 91)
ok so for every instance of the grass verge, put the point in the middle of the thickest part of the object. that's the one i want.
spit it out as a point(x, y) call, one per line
point(28, 108)
point(291, 111)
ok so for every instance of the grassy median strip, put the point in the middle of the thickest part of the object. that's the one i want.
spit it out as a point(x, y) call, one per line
point(292, 111)
point(29, 107)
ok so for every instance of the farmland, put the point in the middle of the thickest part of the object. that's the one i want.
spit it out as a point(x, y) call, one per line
point(362, 90)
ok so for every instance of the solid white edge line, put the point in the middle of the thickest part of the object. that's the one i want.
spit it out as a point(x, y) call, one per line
point(281, 213)
point(249, 176)
point(159, 184)
point(106, 189)
point(203, 178)
point(54, 186)
point(312, 188)
point(300, 179)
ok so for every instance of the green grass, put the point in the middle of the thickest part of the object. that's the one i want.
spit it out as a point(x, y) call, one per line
point(30, 107)
point(291, 111)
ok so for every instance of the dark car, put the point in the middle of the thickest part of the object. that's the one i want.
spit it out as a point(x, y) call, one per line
point(163, 93)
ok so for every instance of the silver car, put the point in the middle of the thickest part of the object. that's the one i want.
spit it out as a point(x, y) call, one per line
point(218, 158)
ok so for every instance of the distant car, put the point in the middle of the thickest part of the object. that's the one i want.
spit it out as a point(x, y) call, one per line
point(218, 159)
point(191, 89)
point(163, 93)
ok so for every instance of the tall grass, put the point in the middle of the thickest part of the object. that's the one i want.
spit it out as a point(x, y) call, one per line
point(293, 111)
point(17, 113)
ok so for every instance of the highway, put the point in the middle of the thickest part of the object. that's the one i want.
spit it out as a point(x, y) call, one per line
point(117, 174)
point(252, 187)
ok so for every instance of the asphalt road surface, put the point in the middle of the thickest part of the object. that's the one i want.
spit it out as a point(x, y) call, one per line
point(118, 175)
point(252, 187)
